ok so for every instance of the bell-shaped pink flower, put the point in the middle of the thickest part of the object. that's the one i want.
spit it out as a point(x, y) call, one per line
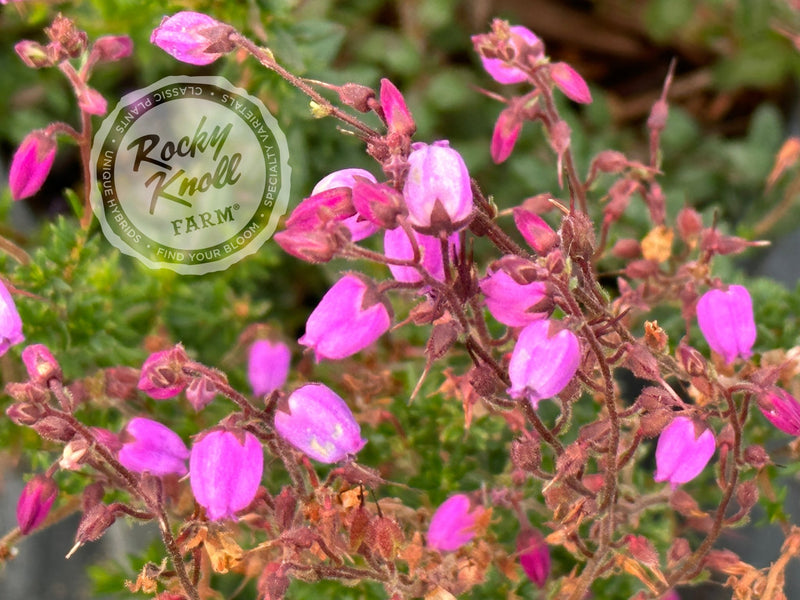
point(10, 321)
point(437, 189)
point(782, 410)
point(569, 81)
point(453, 524)
point(268, 366)
point(34, 502)
point(726, 320)
point(505, 134)
point(539, 235)
point(187, 35)
point(154, 448)
point(534, 556)
point(680, 454)
point(542, 364)
point(316, 421)
point(522, 41)
point(359, 227)
point(395, 110)
point(510, 299)
point(225, 471)
point(162, 375)
point(396, 244)
point(31, 164)
point(350, 317)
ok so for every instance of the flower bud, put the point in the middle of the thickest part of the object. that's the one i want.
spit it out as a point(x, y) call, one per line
point(192, 37)
point(33, 54)
point(316, 421)
point(689, 224)
point(542, 364)
point(92, 101)
point(505, 134)
point(40, 364)
point(109, 48)
point(782, 410)
point(437, 191)
point(398, 117)
point(397, 245)
point(31, 164)
point(539, 235)
point(155, 448)
point(200, 392)
point(359, 225)
point(726, 320)
point(378, 203)
point(513, 300)
point(162, 375)
point(453, 524)
point(350, 317)
point(756, 456)
point(534, 556)
point(680, 454)
point(570, 82)
point(268, 366)
point(24, 413)
point(54, 428)
point(310, 245)
point(225, 471)
point(94, 523)
point(34, 502)
point(321, 207)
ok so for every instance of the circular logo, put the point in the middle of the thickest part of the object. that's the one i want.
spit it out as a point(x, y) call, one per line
point(189, 174)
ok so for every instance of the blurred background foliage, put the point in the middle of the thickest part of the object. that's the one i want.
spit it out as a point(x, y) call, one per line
point(733, 103)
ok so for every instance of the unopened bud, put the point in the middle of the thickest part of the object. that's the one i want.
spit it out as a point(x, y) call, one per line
point(41, 364)
point(54, 429)
point(111, 48)
point(689, 224)
point(627, 248)
point(356, 96)
point(33, 54)
point(94, 523)
point(756, 456)
point(24, 413)
point(35, 502)
point(747, 495)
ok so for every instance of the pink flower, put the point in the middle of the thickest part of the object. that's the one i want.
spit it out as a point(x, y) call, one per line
point(225, 471)
point(521, 42)
point(539, 235)
point(350, 317)
point(570, 82)
point(505, 134)
point(10, 321)
point(453, 524)
point(726, 320)
point(395, 110)
point(200, 392)
point(437, 191)
point(512, 300)
point(782, 410)
point(31, 164)
point(346, 178)
point(155, 448)
point(40, 364)
point(542, 364)
point(187, 35)
point(396, 244)
point(534, 556)
point(92, 101)
point(162, 375)
point(110, 48)
point(378, 203)
point(268, 366)
point(34, 502)
point(319, 423)
point(680, 454)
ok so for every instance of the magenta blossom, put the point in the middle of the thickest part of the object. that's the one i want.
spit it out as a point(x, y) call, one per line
point(155, 448)
point(534, 556)
point(398, 117)
point(31, 164)
point(511, 301)
point(726, 320)
point(10, 321)
point(437, 191)
point(319, 423)
point(570, 82)
point(523, 42)
point(542, 364)
point(162, 375)
point(782, 410)
point(396, 244)
point(350, 317)
point(505, 134)
point(34, 503)
point(268, 366)
point(346, 178)
point(680, 454)
point(225, 471)
point(539, 235)
point(453, 524)
point(187, 35)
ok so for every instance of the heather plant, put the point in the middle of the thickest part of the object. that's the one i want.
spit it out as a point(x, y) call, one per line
point(455, 422)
